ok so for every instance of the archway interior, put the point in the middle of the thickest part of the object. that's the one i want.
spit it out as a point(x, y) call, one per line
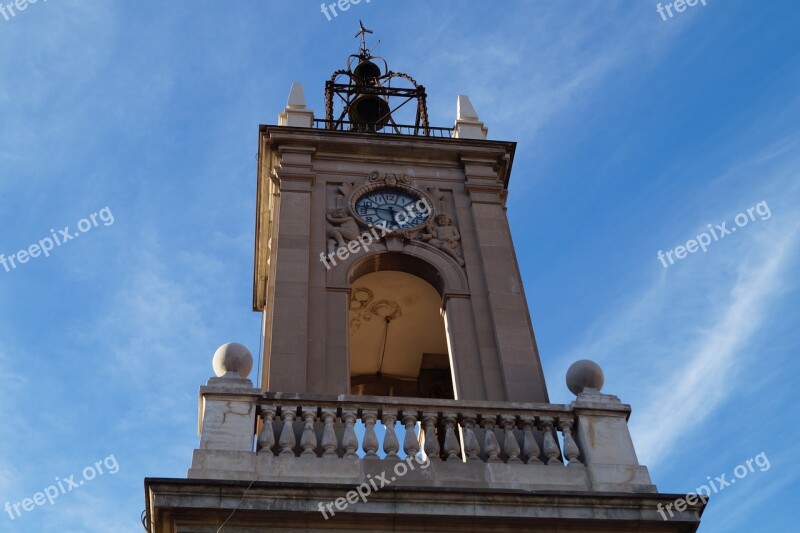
point(397, 339)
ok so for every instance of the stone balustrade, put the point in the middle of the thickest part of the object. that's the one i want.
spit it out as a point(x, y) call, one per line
point(246, 434)
point(448, 430)
point(311, 438)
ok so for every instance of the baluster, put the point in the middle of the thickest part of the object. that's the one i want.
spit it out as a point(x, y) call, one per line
point(471, 445)
point(349, 440)
point(329, 442)
point(266, 439)
point(431, 440)
point(570, 447)
point(390, 442)
point(451, 446)
point(490, 443)
point(370, 445)
point(410, 442)
point(530, 448)
point(510, 444)
point(308, 441)
point(287, 440)
point(550, 447)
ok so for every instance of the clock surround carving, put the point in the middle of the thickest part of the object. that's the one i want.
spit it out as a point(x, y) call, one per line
point(436, 228)
point(397, 185)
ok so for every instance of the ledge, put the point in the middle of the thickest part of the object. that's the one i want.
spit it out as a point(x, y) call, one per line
point(182, 505)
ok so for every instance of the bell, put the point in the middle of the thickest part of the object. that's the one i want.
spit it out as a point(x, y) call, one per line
point(366, 71)
point(369, 112)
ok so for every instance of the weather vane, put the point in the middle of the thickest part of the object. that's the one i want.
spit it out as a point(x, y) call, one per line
point(363, 34)
point(368, 97)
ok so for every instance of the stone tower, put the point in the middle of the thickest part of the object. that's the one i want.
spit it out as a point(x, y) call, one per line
point(444, 273)
point(401, 383)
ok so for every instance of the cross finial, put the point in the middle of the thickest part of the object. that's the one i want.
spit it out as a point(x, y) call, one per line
point(363, 34)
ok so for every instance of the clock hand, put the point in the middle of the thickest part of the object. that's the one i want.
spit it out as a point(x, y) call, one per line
point(386, 208)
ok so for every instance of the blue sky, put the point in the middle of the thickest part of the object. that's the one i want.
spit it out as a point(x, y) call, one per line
point(634, 134)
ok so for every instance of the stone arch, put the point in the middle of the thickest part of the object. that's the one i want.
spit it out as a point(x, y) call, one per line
point(398, 300)
point(417, 259)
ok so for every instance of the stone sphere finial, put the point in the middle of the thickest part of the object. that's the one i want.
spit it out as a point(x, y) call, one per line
point(584, 374)
point(232, 357)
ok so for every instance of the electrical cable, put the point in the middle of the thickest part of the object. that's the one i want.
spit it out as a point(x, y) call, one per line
point(237, 506)
point(388, 319)
point(260, 349)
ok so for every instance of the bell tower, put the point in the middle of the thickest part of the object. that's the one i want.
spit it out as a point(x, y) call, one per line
point(401, 386)
point(384, 263)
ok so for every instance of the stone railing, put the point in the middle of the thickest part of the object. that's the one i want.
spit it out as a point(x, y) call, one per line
point(449, 430)
point(311, 438)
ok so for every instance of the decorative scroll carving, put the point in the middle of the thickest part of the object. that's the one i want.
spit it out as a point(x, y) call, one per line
point(363, 308)
point(360, 299)
point(388, 179)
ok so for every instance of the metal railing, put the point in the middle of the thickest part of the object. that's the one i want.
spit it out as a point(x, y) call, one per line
point(387, 129)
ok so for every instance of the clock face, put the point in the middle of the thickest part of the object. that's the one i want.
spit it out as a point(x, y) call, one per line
point(397, 209)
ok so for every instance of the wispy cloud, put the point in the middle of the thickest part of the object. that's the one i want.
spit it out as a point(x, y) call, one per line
point(675, 346)
point(543, 62)
point(699, 384)
point(11, 383)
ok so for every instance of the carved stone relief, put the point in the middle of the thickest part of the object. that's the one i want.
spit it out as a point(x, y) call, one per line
point(399, 207)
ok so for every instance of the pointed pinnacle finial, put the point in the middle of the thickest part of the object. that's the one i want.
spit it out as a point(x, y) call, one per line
point(363, 34)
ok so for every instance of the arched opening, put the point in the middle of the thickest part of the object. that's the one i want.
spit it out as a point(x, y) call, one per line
point(397, 338)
